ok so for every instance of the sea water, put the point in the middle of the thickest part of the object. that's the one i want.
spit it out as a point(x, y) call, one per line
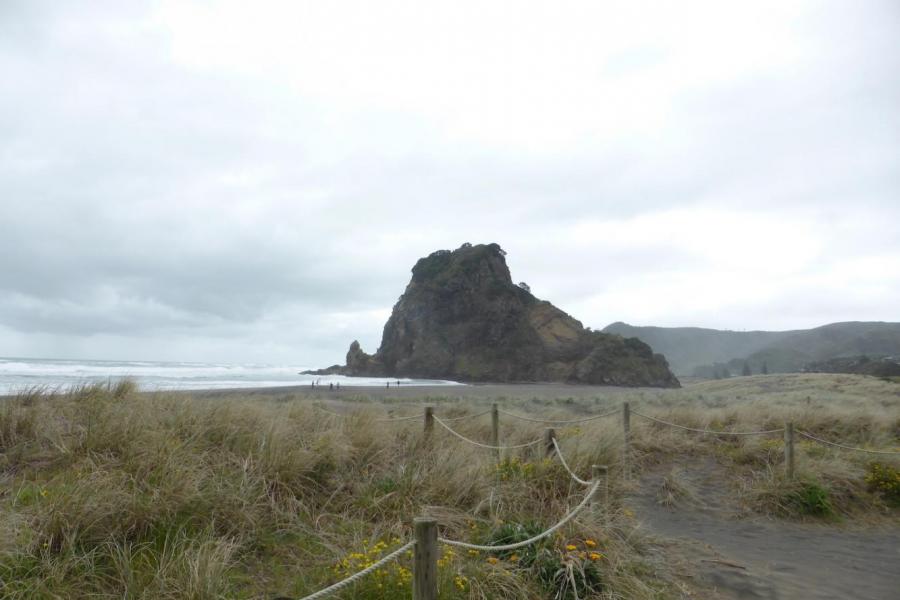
point(18, 374)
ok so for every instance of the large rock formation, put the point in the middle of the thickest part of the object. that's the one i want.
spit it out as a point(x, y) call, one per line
point(462, 318)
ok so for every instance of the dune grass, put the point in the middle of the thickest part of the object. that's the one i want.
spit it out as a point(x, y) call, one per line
point(107, 492)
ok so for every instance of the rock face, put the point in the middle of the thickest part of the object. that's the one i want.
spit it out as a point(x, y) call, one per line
point(462, 318)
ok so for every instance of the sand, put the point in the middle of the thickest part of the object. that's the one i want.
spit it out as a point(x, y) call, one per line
point(523, 391)
point(741, 557)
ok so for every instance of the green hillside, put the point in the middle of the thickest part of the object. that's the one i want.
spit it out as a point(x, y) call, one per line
point(694, 350)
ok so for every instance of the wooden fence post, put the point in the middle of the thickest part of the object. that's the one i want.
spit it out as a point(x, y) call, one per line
point(789, 450)
point(425, 556)
point(626, 426)
point(429, 422)
point(495, 429)
point(549, 434)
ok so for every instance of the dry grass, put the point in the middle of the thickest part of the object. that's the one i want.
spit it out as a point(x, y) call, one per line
point(110, 493)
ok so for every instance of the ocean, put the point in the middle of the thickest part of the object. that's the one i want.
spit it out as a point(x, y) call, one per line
point(23, 373)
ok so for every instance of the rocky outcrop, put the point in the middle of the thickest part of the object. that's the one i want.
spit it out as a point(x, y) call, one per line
point(462, 318)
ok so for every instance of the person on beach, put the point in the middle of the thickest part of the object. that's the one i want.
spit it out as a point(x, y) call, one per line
point(331, 386)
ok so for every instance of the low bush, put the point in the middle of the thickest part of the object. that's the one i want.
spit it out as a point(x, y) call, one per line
point(809, 498)
point(884, 480)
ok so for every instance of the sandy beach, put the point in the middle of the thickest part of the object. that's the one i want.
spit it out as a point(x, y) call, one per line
point(519, 391)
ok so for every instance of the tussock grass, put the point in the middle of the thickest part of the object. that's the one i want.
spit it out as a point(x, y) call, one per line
point(106, 492)
point(853, 410)
point(110, 493)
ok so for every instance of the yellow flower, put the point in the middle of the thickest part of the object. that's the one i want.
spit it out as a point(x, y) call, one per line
point(514, 558)
point(492, 560)
point(595, 556)
point(570, 547)
point(590, 543)
point(461, 581)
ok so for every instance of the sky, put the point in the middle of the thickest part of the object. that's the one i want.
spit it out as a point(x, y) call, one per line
point(253, 181)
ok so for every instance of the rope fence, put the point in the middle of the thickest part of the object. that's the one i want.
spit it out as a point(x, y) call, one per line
point(480, 445)
point(562, 422)
point(787, 430)
point(821, 441)
point(464, 417)
point(711, 431)
point(568, 517)
point(562, 459)
point(406, 418)
point(335, 587)
point(626, 412)
point(328, 412)
point(426, 538)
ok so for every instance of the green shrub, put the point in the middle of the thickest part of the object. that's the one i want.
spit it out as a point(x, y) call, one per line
point(513, 468)
point(567, 573)
point(512, 533)
point(810, 498)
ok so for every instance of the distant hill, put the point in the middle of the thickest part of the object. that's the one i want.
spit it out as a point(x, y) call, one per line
point(687, 348)
point(698, 351)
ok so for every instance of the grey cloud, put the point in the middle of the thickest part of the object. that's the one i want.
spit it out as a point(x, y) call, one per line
point(141, 199)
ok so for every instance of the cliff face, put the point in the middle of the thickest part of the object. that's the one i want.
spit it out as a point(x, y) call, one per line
point(462, 317)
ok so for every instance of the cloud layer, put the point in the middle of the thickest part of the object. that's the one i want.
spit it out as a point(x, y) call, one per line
point(227, 181)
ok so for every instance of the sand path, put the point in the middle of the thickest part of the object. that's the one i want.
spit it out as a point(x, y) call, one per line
point(734, 556)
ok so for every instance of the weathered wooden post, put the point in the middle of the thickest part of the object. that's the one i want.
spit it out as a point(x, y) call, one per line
point(495, 429)
point(425, 556)
point(549, 434)
point(626, 426)
point(429, 422)
point(789, 450)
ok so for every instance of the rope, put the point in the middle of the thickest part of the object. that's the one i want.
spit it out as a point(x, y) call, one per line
point(538, 537)
point(764, 432)
point(820, 440)
point(407, 418)
point(564, 422)
point(333, 414)
point(562, 459)
point(344, 583)
point(481, 414)
point(488, 446)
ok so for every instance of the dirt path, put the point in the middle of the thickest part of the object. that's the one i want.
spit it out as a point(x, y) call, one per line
point(733, 556)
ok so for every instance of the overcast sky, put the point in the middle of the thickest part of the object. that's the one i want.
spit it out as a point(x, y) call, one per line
point(252, 181)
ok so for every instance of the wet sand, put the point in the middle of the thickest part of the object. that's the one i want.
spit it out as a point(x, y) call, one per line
point(520, 391)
